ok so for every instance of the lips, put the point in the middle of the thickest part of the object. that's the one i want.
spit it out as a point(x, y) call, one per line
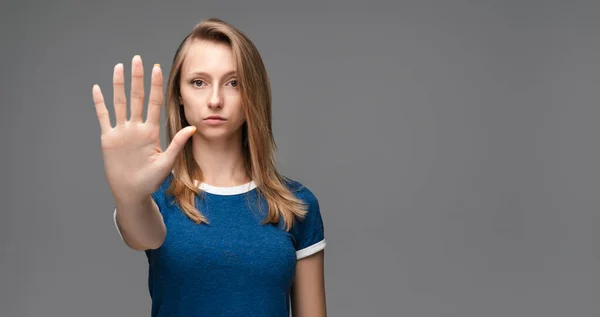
point(214, 118)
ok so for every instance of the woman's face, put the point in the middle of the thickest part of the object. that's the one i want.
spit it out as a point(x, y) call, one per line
point(209, 87)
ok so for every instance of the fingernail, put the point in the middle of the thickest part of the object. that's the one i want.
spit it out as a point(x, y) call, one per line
point(157, 65)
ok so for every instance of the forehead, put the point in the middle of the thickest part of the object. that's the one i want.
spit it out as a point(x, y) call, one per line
point(209, 57)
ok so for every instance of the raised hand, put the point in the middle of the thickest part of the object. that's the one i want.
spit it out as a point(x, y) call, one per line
point(134, 163)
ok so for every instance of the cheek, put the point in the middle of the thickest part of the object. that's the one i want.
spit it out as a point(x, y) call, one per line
point(242, 113)
point(234, 102)
point(239, 110)
point(191, 111)
point(192, 97)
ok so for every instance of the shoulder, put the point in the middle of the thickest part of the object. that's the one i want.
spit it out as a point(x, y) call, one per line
point(166, 183)
point(307, 232)
point(301, 191)
point(160, 195)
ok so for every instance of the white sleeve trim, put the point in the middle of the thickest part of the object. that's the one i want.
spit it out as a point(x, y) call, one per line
point(115, 221)
point(310, 250)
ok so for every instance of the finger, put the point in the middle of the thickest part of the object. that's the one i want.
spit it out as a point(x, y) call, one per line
point(156, 96)
point(119, 98)
point(101, 110)
point(137, 89)
point(177, 144)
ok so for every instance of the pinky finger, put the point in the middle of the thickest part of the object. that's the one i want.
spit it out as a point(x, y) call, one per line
point(101, 110)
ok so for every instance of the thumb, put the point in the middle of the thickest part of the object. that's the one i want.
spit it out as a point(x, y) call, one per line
point(177, 144)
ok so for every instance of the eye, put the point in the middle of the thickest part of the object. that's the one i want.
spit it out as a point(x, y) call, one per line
point(195, 81)
point(234, 83)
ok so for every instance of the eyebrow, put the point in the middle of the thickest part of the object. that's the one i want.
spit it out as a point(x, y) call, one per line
point(201, 73)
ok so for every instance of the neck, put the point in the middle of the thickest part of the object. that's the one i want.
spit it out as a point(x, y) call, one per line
point(221, 161)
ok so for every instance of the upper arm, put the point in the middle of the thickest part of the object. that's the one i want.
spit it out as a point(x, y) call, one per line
point(308, 289)
point(308, 233)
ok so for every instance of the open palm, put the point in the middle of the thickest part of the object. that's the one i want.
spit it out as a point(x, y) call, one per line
point(134, 163)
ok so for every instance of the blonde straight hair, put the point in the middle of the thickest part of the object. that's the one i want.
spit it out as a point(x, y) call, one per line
point(257, 137)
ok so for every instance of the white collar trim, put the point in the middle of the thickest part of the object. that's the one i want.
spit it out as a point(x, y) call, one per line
point(229, 190)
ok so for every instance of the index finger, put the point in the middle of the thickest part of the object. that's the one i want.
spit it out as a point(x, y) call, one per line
point(156, 96)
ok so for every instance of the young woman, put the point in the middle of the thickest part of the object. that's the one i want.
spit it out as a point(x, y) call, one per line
point(224, 233)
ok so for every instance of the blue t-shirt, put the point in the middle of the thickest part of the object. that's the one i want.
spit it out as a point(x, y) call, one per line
point(233, 266)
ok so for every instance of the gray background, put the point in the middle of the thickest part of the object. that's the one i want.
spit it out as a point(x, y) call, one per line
point(450, 144)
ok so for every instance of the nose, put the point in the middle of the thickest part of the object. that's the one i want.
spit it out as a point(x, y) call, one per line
point(215, 99)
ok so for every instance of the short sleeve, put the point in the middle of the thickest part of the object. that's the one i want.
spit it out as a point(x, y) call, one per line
point(308, 233)
point(159, 199)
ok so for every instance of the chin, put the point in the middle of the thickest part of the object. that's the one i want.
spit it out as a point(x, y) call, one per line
point(212, 133)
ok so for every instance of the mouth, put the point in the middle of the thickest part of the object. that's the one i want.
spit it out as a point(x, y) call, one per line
point(215, 118)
